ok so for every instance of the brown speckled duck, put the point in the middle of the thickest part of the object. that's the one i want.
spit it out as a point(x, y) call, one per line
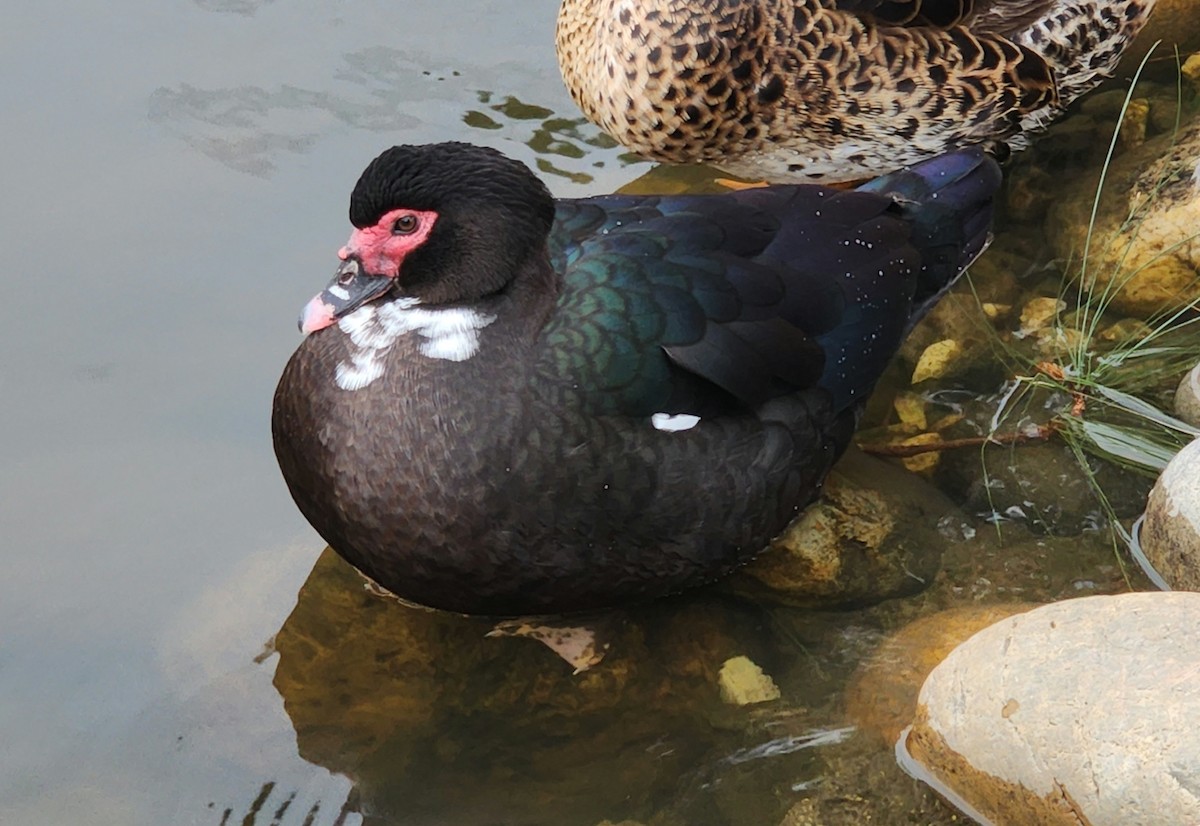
point(833, 90)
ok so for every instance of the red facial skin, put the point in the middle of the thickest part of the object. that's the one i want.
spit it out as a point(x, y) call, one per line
point(380, 249)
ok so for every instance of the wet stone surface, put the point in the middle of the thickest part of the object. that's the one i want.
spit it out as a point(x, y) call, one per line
point(872, 536)
point(999, 726)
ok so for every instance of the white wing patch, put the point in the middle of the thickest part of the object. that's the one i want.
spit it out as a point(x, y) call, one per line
point(678, 421)
point(451, 334)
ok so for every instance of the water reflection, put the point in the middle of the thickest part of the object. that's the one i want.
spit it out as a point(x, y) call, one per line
point(244, 7)
point(277, 806)
point(436, 723)
point(570, 138)
point(433, 722)
point(380, 89)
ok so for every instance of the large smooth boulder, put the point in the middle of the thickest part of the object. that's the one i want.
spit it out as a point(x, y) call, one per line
point(1081, 711)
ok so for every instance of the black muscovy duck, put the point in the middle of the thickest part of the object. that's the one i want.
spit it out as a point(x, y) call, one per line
point(508, 404)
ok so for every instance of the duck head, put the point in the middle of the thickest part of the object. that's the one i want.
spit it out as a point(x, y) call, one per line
point(435, 224)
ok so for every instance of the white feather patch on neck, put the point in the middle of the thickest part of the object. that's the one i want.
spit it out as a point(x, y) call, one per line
point(451, 333)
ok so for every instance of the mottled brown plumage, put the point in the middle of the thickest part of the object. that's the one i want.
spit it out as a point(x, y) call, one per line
point(833, 89)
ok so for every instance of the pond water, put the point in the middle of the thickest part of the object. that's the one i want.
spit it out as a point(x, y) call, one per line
point(174, 646)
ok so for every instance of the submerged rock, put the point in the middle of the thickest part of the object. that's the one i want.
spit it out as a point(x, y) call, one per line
point(1040, 312)
point(957, 337)
point(1042, 485)
point(938, 360)
point(1077, 712)
point(1170, 533)
point(1141, 246)
point(1041, 482)
point(1134, 124)
point(1191, 71)
point(872, 536)
point(865, 786)
point(438, 723)
point(743, 683)
point(882, 695)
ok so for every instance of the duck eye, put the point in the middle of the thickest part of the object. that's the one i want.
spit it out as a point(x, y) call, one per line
point(404, 225)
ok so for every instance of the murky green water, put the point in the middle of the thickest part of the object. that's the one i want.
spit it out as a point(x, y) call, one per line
point(174, 646)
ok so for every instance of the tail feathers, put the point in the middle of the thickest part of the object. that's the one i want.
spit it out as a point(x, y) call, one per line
point(949, 201)
point(920, 181)
point(946, 203)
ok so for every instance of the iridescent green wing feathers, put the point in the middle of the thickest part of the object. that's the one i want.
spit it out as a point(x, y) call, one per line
point(699, 304)
point(647, 280)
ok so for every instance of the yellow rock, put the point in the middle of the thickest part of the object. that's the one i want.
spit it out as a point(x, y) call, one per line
point(938, 359)
point(1162, 279)
point(743, 683)
point(996, 311)
point(813, 550)
point(1191, 70)
point(1133, 125)
point(872, 535)
point(1039, 312)
point(911, 409)
point(922, 462)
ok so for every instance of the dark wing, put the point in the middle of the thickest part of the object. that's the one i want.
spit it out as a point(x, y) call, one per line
point(700, 303)
point(645, 279)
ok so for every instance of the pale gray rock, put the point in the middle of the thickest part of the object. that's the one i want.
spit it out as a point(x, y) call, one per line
point(1081, 711)
point(1170, 533)
point(1187, 397)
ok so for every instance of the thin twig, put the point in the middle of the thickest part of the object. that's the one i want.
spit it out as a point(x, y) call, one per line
point(1040, 434)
